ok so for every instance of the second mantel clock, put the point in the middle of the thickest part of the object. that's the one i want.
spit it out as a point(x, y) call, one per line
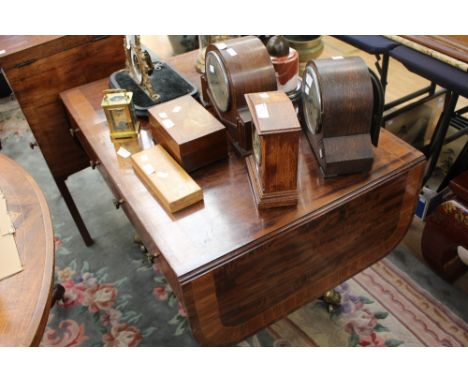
point(342, 105)
point(234, 68)
point(272, 167)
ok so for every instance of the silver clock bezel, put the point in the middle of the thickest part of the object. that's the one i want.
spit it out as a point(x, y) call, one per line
point(221, 106)
point(307, 100)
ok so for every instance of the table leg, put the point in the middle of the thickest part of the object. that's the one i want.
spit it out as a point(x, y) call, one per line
point(74, 211)
point(58, 294)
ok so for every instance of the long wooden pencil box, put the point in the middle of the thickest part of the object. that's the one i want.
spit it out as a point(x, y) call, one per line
point(166, 179)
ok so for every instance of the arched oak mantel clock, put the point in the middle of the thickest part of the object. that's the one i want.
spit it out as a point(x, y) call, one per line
point(342, 106)
point(234, 68)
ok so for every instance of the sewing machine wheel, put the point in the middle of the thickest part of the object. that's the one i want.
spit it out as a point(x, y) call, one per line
point(136, 69)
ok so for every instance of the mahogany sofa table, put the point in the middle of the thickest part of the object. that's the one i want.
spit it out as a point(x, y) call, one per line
point(237, 269)
point(26, 297)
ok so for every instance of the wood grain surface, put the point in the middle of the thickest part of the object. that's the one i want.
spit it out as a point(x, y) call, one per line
point(455, 46)
point(39, 68)
point(274, 179)
point(25, 298)
point(339, 226)
point(169, 182)
point(343, 145)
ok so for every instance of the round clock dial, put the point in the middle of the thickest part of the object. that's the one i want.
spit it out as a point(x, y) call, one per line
point(217, 80)
point(256, 147)
point(312, 101)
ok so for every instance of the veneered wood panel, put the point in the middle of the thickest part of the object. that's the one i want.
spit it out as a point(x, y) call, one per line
point(56, 65)
point(25, 298)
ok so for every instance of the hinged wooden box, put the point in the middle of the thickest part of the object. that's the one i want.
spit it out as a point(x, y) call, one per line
point(188, 132)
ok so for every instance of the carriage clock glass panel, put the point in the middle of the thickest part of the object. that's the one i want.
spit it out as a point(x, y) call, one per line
point(312, 101)
point(120, 119)
point(217, 80)
point(256, 147)
point(120, 116)
point(120, 113)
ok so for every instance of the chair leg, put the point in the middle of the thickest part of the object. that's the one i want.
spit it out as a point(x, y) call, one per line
point(384, 74)
point(74, 211)
point(59, 293)
point(439, 134)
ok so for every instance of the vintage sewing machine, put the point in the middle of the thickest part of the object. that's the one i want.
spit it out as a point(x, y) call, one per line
point(152, 81)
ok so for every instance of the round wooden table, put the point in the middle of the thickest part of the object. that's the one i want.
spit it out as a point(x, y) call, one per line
point(25, 298)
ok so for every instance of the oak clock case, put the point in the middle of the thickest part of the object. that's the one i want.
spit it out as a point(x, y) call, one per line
point(342, 106)
point(234, 68)
point(272, 166)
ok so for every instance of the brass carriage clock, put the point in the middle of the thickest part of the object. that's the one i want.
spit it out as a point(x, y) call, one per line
point(234, 68)
point(120, 114)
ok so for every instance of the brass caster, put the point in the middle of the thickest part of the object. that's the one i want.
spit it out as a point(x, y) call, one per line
point(333, 299)
point(151, 257)
point(136, 239)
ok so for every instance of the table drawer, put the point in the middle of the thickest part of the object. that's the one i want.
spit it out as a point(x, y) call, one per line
point(121, 202)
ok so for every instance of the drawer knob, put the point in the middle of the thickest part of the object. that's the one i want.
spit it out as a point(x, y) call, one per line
point(118, 203)
point(73, 131)
point(152, 257)
point(94, 163)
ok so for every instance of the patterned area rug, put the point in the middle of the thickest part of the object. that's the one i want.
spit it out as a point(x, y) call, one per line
point(114, 297)
point(380, 307)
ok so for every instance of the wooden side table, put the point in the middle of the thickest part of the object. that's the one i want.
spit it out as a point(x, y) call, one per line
point(25, 298)
point(38, 68)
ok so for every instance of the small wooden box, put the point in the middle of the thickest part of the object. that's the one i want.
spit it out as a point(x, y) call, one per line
point(188, 132)
point(171, 185)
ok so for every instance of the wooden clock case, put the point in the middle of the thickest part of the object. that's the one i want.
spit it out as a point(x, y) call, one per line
point(249, 70)
point(352, 105)
point(274, 180)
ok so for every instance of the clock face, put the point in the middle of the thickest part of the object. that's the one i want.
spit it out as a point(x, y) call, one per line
point(256, 147)
point(217, 80)
point(312, 101)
